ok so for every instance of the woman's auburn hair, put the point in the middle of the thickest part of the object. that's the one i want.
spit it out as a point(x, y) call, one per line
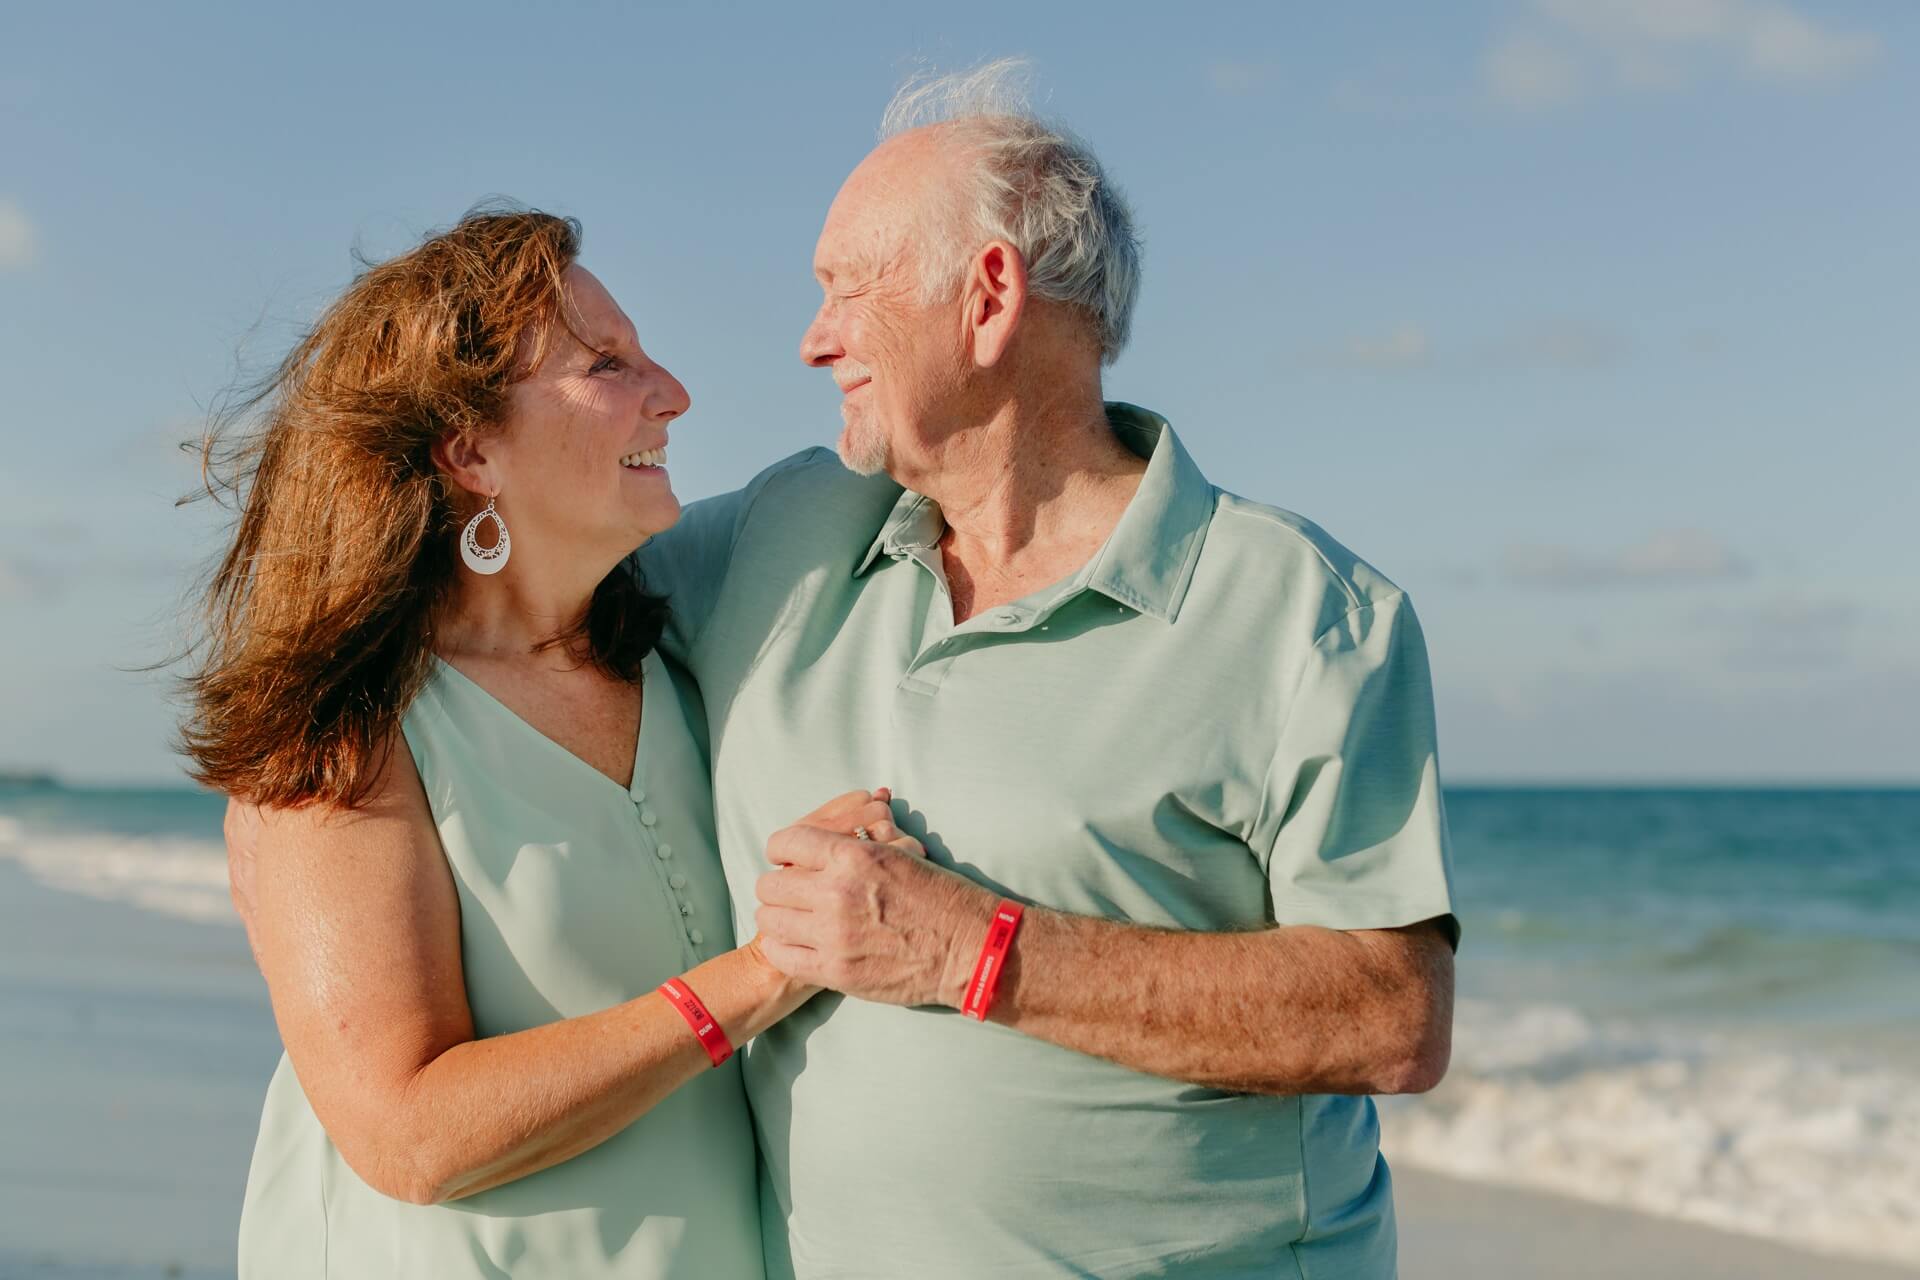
point(317, 626)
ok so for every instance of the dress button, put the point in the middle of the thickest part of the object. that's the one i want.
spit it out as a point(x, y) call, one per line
point(677, 880)
point(646, 818)
point(638, 795)
point(697, 937)
point(1009, 618)
point(686, 908)
point(664, 851)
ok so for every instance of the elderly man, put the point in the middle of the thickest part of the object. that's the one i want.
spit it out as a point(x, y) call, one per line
point(1191, 735)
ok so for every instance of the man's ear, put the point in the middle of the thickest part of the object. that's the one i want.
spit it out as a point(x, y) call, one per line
point(469, 462)
point(995, 293)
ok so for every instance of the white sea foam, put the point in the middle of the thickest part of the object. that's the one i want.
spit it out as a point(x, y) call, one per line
point(1800, 1147)
point(175, 876)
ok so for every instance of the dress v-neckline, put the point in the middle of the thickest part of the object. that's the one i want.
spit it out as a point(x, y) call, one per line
point(648, 666)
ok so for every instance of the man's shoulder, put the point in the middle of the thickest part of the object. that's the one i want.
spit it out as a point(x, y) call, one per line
point(1260, 551)
point(796, 482)
point(809, 501)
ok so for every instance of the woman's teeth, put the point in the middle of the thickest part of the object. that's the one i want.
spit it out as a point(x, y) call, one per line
point(645, 458)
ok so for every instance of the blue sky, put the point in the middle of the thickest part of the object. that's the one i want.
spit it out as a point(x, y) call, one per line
point(1590, 322)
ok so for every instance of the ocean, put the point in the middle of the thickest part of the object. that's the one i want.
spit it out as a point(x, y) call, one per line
point(1700, 1004)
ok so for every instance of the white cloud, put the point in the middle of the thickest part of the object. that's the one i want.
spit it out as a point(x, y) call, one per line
point(1402, 348)
point(1237, 79)
point(27, 581)
point(1663, 44)
point(1525, 71)
point(1392, 86)
point(1786, 633)
point(1669, 556)
point(1681, 718)
point(19, 242)
point(1787, 46)
point(1564, 344)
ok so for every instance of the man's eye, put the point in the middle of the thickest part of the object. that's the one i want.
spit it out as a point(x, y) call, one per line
point(605, 363)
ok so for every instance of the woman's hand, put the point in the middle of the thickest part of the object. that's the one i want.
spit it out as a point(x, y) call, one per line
point(853, 813)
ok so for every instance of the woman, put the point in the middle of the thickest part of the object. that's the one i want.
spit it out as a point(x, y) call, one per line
point(488, 837)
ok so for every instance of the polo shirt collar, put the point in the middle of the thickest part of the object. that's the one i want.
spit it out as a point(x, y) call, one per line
point(1147, 562)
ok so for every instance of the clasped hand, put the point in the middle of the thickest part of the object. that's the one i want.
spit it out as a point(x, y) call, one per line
point(871, 918)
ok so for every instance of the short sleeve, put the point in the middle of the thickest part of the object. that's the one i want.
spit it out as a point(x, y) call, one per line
point(1354, 821)
point(688, 563)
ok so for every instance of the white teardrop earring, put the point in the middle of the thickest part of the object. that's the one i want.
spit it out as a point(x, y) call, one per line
point(485, 559)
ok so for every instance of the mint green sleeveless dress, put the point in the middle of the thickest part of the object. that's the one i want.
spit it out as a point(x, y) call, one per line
point(575, 894)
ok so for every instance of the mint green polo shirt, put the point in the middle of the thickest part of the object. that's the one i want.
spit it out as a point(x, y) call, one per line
point(1223, 721)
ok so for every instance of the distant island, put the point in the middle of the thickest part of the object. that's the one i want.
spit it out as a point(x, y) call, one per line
point(27, 778)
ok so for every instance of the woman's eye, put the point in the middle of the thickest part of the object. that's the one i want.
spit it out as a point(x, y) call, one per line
point(605, 363)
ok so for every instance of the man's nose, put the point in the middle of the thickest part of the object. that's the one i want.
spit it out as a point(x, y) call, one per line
point(819, 345)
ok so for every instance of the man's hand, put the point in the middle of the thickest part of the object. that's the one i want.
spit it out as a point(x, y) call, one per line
point(870, 918)
point(242, 831)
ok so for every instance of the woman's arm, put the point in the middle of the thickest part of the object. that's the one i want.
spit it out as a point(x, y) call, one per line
point(357, 930)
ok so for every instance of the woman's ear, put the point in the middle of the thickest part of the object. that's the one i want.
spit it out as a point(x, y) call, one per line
point(468, 462)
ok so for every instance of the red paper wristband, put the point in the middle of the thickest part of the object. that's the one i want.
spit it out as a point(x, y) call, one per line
point(706, 1027)
point(985, 983)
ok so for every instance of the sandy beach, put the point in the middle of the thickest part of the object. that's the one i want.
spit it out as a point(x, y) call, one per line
point(1456, 1230)
point(137, 1048)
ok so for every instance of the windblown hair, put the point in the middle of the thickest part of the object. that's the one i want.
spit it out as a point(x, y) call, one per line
point(318, 620)
point(1033, 184)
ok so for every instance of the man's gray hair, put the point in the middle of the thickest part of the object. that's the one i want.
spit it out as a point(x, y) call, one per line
point(1034, 185)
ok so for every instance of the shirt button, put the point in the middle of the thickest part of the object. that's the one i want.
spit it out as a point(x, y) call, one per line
point(664, 851)
point(1009, 618)
point(686, 908)
point(646, 818)
point(697, 937)
point(677, 880)
point(638, 795)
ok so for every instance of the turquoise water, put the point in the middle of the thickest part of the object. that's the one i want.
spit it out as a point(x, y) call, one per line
point(1796, 912)
point(136, 811)
point(1696, 1003)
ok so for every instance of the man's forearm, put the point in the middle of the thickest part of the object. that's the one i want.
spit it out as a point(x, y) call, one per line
point(1294, 1009)
point(1291, 1009)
